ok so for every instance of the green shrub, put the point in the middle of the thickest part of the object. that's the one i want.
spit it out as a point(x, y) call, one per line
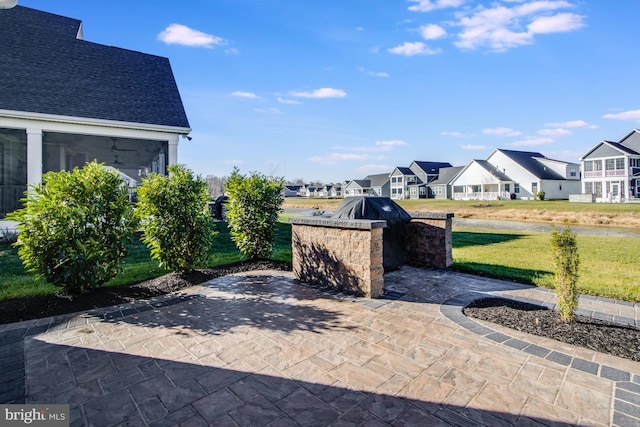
point(566, 261)
point(253, 207)
point(74, 227)
point(177, 226)
point(539, 195)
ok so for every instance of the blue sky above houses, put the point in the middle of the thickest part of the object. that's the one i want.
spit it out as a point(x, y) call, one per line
point(337, 90)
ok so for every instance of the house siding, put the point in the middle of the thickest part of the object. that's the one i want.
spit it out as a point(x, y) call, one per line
point(602, 151)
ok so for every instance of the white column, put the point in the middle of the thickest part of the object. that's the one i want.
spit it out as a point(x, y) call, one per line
point(34, 156)
point(173, 150)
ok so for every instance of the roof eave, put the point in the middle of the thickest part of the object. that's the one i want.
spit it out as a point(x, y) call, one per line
point(25, 115)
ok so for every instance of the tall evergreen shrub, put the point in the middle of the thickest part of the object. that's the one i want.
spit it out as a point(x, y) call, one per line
point(566, 262)
point(252, 212)
point(74, 227)
point(174, 214)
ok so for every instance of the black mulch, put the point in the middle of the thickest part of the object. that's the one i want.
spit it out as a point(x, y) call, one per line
point(605, 337)
point(18, 309)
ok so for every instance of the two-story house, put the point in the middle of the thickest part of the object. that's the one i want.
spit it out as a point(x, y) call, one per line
point(611, 170)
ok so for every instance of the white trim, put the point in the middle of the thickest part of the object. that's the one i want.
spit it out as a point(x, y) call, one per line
point(70, 120)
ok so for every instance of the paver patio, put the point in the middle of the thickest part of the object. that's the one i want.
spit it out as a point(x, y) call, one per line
point(264, 349)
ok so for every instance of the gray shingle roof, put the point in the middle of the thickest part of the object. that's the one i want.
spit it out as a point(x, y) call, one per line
point(432, 167)
point(445, 175)
point(493, 170)
point(45, 68)
point(527, 160)
point(378, 180)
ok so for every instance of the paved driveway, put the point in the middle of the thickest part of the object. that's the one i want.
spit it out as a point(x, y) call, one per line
point(264, 349)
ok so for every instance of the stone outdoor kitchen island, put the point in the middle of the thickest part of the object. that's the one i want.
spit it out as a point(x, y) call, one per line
point(347, 255)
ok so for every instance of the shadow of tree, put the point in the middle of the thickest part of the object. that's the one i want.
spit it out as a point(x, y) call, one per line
point(264, 302)
point(461, 239)
point(110, 388)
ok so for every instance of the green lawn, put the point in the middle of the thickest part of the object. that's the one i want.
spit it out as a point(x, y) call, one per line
point(138, 266)
point(608, 265)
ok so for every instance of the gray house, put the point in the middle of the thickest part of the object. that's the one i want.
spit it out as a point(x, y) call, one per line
point(441, 187)
point(65, 101)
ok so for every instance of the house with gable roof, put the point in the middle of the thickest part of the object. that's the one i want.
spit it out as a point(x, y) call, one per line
point(441, 187)
point(65, 101)
point(516, 174)
point(611, 170)
point(372, 185)
point(411, 182)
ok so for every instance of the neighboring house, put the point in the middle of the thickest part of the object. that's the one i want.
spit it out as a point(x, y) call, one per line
point(480, 180)
point(516, 174)
point(357, 187)
point(532, 172)
point(379, 185)
point(611, 170)
point(291, 190)
point(310, 191)
point(404, 183)
point(441, 187)
point(426, 172)
point(65, 101)
point(335, 191)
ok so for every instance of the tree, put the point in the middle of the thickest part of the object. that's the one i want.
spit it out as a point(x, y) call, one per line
point(177, 225)
point(215, 185)
point(566, 262)
point(252, 212)
point(75, 226)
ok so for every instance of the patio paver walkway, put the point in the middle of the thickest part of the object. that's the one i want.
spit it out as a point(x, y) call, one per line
point(264, 349)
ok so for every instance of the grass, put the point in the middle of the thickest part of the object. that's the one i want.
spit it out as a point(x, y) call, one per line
point(138, 266)
point(608, 265)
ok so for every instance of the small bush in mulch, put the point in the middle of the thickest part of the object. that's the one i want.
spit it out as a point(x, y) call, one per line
point(605, 337)
point(18, 309)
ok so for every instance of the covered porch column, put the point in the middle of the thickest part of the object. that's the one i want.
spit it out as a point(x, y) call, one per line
point(173, 150)
point(34, 155)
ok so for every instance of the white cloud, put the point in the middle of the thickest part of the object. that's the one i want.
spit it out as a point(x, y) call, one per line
point(359, 28)
point(554, 133)
point(572, 124)
point(233, 162)
point(232, 51)
point(242, 94)
point(500, 27)
point(626, 115)
point(373, 169)
point(325, 92)
point(563, 22)
point(501, 132)
point(334, 158)
point(372, 73)
point(288, 101)
point(432, 32)
point(390, 144)
point(379, 146)
point(270, 110)
point(429, 5)
point(474, 147)
point(413, 48)
point(185, 36)
point(532, 141)
point(456, 134)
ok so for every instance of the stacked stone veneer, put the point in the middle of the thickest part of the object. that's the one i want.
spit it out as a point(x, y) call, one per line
point(348, 254)
point(341, 254)
point(429, 239)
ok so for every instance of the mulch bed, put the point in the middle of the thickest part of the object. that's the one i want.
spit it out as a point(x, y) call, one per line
point(605, 337)
point(18, 309)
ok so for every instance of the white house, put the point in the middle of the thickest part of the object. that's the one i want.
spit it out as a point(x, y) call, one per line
point(65, 101)
point(517, 174)
point(611, 170)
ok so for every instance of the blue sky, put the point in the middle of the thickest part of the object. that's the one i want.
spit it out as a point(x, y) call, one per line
point(333, 90)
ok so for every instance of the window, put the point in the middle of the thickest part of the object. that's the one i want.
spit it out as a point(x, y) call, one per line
point(458, 188)
point(610, 164)
point(507, 187)
point(423, 191)
point(588, 166)
point(598, 189)
point(516, 187)
point(476, 188)
point(534, 187)
point(597, 165)
point(588, 187)
point(620, 164)
point(560, 187)
point(573, 172)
